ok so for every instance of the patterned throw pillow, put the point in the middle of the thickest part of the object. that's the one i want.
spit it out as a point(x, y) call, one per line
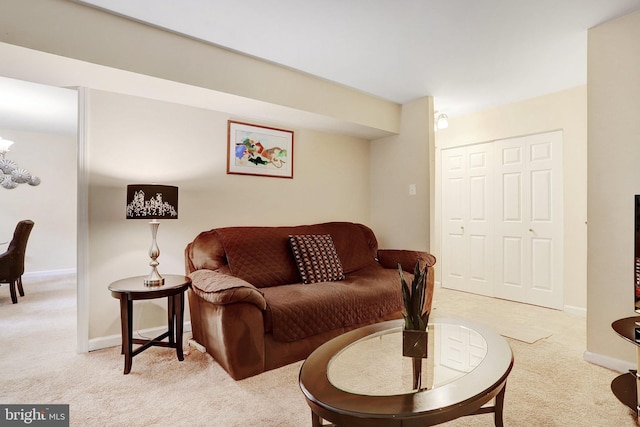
point(316, 257)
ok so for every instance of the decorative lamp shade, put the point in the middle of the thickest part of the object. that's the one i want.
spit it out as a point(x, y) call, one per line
point(152, 201)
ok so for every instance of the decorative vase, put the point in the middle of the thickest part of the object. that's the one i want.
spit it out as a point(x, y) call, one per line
point(415, 343)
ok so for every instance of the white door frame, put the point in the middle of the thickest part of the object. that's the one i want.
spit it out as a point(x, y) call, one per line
point(82, 267)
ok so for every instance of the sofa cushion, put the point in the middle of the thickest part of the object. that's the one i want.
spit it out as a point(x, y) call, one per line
point(316, 258)
point(298, 311)
point(356, 244)
point(262, 255)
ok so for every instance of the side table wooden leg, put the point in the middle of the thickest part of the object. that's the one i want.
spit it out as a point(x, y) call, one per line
point(171, 318)
point(178, 306)
point(316, 421)
point(500, 406)
point(123, 322)
point(637, 386)
point(126, 320)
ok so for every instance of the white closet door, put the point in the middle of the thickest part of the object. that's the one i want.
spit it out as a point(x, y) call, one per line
point(454, 202)
point(467, 219)
point(502, 222)
point(529, 244)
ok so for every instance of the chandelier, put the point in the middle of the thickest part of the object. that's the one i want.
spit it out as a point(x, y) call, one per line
point(10, 174)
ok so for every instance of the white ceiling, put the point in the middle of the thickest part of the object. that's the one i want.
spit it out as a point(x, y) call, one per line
point(469, 54)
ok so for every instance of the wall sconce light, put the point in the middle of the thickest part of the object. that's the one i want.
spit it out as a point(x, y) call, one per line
point(10, 174)
point(152, 202)
point(442, 121)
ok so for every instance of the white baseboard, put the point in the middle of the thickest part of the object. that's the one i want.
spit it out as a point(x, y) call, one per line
point(35, 275)
point(116, 340)
point(575, 310)
point(609, 362)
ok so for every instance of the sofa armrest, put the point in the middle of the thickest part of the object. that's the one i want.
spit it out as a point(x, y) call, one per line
point(222, 289)
point(389, 258)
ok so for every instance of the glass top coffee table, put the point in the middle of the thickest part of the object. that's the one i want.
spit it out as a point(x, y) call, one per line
point(361, 378)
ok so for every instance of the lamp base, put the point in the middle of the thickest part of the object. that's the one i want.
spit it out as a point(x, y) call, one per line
point(158, 282)
point(154, 279)
point(154, 282)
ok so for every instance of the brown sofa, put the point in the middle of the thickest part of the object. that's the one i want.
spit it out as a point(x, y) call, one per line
point(250, 310)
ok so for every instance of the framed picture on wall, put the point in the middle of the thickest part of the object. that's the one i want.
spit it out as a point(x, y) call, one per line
point(259, 150)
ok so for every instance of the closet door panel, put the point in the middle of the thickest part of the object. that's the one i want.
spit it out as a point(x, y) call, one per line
point(480, 217)
point(545, 220)
point(454, 207)
point(542, 264)
point(467, 214)
point(530, 198)
point(511, 197)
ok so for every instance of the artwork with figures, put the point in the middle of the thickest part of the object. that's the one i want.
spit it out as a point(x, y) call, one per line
point(259, 150)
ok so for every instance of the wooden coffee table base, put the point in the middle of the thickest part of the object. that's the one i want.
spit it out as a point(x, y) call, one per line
point(316, 420)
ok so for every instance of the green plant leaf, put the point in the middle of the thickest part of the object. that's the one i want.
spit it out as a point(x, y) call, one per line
point(406, 298)
point(413, 298)
point(407, 322)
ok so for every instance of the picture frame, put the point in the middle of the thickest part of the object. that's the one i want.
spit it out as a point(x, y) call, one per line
point(259, 150)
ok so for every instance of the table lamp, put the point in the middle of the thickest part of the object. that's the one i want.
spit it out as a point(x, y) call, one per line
point(152, 202)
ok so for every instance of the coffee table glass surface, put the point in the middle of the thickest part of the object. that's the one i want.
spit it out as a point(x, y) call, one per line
point(374, 365)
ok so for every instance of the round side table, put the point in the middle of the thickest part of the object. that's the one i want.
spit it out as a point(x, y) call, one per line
point(625, 386)
point(133, 288)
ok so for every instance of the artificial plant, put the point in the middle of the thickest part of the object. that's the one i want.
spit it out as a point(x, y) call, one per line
point(416, 316)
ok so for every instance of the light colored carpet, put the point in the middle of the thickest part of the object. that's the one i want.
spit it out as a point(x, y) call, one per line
point(550, 384)
point(528, 334)
point(524, 324)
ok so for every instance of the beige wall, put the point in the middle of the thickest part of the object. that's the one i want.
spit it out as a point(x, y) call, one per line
point(614, 179)
point(136, 140)
point(401, 220)
point(566, 111)
point(51, 205)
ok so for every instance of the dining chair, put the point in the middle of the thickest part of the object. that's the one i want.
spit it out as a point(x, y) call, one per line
point(12, 261)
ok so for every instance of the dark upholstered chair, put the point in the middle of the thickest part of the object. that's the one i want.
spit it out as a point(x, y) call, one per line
point(12, 261)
